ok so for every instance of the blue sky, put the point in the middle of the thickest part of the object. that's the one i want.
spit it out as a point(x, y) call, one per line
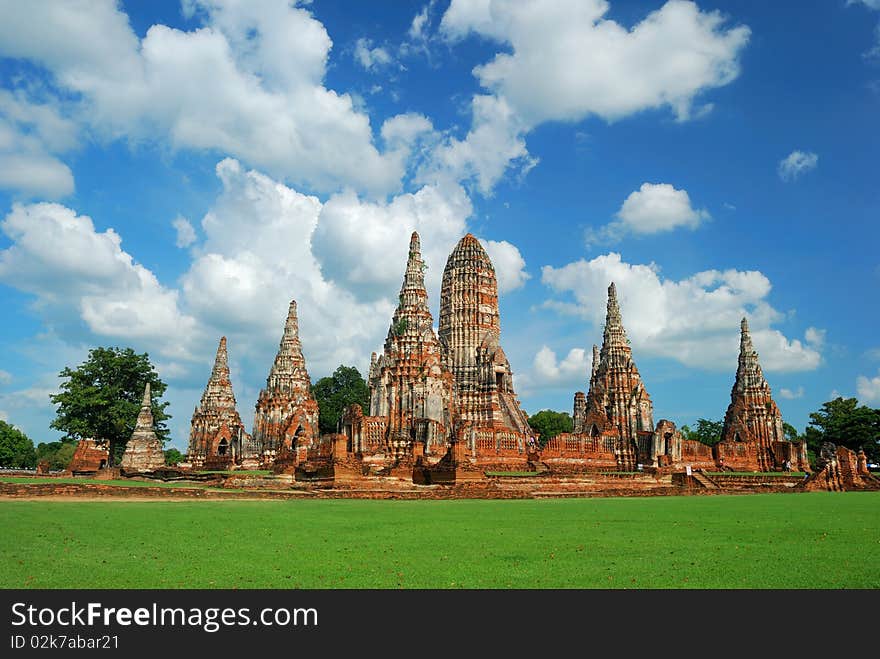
point(173, 172)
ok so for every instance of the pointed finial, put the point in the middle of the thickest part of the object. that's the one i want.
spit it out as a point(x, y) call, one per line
point(414, 243)
point(744, 325)
point(612, 291)
point(148, 400)
point(596, 359)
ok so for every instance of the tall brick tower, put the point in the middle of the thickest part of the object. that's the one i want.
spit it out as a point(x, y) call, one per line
point(617, 400)
point(470, 328)
point(752, 416)
point(217, 434)
point(286, 412)
point(409, 384)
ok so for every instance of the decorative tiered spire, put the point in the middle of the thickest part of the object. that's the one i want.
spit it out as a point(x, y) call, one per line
point(596, 359)
point(289, 370)
point(218, 392)
point(614, 334)
point(413, 314)
point(145, 416)
point(143, 451)
point(285, 412)
point(748, 371)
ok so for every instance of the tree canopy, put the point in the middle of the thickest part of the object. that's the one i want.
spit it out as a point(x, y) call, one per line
point(57, 454)
point(707, 431)
point(336, 392)
point(101, 398)
point(16, 449)
point(173, 456)
point(549, 423)
point(844, 422)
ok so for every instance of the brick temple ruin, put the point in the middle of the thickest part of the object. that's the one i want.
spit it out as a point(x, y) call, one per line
point(217, 438)
point(443, 406)
point(143, 451)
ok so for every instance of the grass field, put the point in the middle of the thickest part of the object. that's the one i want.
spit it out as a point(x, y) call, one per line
point(808, 540)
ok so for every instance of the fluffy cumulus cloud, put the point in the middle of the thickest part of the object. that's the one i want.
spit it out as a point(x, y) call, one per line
point(239, 85)
point(508, 263)
point(78, 273)
point(653, 208)
point(186, 233)
point(567, 61)
point(32, 137)
point(868, 389)
point(797, 163)
point(363, 245)
point(563, 61)
point(693, 320)
point(256, 257)
point(5, 377)
point(547, 369)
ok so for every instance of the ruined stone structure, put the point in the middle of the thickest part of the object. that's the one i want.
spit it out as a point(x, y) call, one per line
point(488, 416)
point(841, 469)
point(143, 452)
point(286, 412)
point(616, 415)
point(90, 456)
point(411, 390)
point(217, 435)
point(753, 437)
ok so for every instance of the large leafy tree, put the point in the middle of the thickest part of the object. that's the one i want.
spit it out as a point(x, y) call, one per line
point(101, 398)
point(336, 392)
point(16, 449)
point(549, 423)
point(706, 431)
point(844, 422)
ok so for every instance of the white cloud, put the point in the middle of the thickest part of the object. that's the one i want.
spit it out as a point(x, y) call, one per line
point(4, 415)
point(568, 62)
point(32, 135)
point(653, 208)
point(693, 320)
point(493, 142)
point(363, 245)
point(370, 58)
point(256, 257)
point(815, 337)
point(796, 163)
point(546, 369)
point(790, 394)
point(868, 389)
point(5, 377)
point(78, 273)
point(186, 233)
point(508, 263)
point(240, 84)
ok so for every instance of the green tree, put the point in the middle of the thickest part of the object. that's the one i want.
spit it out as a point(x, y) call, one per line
point(791, 433)
point(549, 423)
point(16, 449)
point(336, 392)
point(101, 398)
point(173, 456)
point(707, 431)
point(57, 454)
point(844, 422)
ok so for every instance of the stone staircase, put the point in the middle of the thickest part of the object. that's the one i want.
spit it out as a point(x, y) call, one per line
point(704, 480)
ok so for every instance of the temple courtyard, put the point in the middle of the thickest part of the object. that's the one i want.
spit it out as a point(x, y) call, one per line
point(774, 540)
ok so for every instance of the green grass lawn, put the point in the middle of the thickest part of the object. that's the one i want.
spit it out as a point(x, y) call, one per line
point(804, 540)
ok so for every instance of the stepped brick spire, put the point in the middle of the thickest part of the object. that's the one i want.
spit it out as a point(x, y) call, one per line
point(752, 416)
point(617, 402)
point(409, 384)
point(286, 412)
point(143, 452)
point(217, 433)
point(470, 327)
